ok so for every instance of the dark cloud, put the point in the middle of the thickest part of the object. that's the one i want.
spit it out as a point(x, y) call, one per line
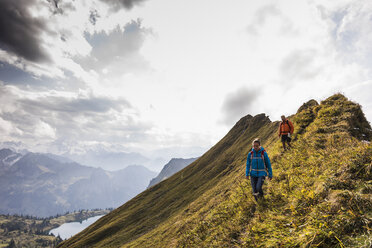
point(12, 75)
point(20, 32)
point(299, 65)
point(93, 17)
point(56, 3)
point(58, 7)
point(117, 4)
point(238, 104)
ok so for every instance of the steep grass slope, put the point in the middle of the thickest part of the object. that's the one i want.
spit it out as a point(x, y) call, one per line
point(320, 194)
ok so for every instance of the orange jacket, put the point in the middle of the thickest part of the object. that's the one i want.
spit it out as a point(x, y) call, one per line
point(286, 127)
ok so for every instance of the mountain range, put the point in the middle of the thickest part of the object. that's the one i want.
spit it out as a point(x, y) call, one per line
point(320, 194)
point(110, 160)
point(45, 184)
point(98, 156)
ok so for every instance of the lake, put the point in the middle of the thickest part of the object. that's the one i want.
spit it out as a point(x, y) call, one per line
point(67, 230)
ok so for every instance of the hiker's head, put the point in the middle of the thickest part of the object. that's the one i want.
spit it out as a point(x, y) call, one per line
point(283, 117)
point(256, 144)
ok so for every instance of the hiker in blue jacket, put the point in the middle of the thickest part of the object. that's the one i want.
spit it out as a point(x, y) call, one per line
point(258, 167)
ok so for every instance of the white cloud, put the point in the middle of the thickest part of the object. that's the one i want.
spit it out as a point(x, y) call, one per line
point(50, 116)
point(45, 131)
point(117, 52)
point(8, 129)
point(309, 63)
point(353, 31)
point(36, 69)
point(184, 67)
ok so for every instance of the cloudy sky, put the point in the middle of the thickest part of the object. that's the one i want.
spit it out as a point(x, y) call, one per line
point(141, 75)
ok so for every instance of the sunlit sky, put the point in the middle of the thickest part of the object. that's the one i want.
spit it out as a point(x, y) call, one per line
point(136, 75)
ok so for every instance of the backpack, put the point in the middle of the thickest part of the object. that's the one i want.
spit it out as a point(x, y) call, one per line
point(263, 159)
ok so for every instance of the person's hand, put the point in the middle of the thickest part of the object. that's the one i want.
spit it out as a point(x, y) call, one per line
point(270, 178)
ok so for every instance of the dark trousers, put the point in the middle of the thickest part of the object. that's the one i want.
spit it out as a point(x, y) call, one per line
point(257, 183)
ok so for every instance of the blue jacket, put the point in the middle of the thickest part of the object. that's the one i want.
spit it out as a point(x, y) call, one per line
point(256, 167)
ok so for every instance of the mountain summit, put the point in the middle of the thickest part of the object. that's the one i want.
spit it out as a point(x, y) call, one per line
point(319, 196)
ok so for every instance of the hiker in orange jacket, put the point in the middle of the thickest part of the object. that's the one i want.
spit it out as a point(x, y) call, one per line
point(285, 131)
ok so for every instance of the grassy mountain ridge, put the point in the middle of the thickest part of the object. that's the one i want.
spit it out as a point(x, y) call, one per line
point(162, 201)
point(209, 203)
